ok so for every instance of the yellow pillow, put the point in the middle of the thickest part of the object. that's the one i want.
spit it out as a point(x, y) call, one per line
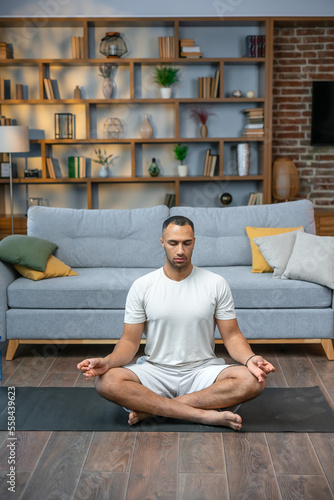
point(55, 268)
point(260, 265)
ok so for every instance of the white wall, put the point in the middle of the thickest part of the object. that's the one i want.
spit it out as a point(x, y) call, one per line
point(128, 8)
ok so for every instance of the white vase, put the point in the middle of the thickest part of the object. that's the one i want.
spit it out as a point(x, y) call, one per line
point(103, 172)
point(146, 129)
point(166, 92)
point(107, 88)
point(182, 170)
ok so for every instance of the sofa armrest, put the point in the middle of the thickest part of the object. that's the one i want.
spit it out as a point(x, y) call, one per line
point(7, 276)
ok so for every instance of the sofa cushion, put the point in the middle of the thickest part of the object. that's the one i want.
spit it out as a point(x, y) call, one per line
point(54, 268)
point(26, 251)
point(107, 289)
point(221, 238)
point(102, 238)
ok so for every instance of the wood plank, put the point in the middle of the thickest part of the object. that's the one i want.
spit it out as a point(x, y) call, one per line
point(203, 487)
point(102, 485)
point(32, 371)
point(293, 454)
point(111, 451)
point(154, 467)
point(21, 480)
point(60, 380)
point(28, 449)
point(324, 447)
point(328, 381)
point(304, 487)
point(201, 453)
point(57, 473)
point(249, 467)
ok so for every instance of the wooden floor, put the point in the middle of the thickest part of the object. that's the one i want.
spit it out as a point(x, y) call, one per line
point(168, 466)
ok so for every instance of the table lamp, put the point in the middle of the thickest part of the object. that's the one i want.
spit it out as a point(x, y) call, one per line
point(13, 139)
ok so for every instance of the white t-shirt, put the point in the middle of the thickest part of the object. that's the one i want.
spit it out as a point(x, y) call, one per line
point(179, 315)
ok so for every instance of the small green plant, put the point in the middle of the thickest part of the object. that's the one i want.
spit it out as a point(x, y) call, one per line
point(180, 152)
point(103, 159)
point(166, 76)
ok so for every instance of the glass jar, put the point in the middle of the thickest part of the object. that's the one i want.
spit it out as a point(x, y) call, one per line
point(113, 45)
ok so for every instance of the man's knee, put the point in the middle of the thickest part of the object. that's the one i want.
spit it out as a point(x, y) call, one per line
point(108, 384)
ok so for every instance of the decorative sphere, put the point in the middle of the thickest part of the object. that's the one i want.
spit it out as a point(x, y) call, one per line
point(113, 127)
point(250, 94)
point(225, 199)
point(237, 93)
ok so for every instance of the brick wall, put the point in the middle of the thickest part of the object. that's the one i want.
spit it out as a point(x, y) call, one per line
point(301, 55)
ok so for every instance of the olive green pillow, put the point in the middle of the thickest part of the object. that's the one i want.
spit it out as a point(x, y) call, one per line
point(26, 251)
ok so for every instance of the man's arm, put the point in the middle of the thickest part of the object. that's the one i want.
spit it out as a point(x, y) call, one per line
point(240, 350)
point(123, 353)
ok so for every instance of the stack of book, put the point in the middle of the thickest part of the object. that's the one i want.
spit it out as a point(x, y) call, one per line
point(77, 47)
point(255, 199)
point(5, 121)
point(169, 200)
point(76, 167)
point(189, 49)
point(210, 164)
point(166, 47)
point(256, 46)
point(254, 125)
point(5, 52)
point(48, 88)
point(50, 168)
point(208, 86)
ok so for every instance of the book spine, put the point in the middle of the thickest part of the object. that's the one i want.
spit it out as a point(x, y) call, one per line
point(71, 167)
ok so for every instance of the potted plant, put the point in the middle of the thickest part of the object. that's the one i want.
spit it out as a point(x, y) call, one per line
point(166, 76)
point(104, 160)
point(106, 72)
point(202, 115)
point(180, 153)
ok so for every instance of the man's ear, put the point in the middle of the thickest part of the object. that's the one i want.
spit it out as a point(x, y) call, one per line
point(162, 242)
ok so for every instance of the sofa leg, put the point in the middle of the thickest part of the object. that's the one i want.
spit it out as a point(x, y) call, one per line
point(328, 346)
point(11, 349)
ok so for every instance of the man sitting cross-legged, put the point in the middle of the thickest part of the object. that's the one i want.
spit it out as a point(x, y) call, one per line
point(178, 307)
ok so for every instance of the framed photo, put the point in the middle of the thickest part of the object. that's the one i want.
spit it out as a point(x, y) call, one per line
point(5, 170)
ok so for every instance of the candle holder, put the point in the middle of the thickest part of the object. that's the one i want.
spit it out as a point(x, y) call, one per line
point(63, 126)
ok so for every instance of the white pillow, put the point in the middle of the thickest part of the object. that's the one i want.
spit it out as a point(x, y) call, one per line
point(277, 249)
point(312, 259)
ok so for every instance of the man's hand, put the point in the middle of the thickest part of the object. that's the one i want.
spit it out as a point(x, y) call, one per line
point(260, 368)
point(93, 367)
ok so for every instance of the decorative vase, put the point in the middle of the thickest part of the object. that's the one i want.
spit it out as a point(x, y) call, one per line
point(182, 170)
point(243, 159)
point(154, 169)
point(146, 129)
point(204, 130)
point(166, 92)
point(103, 172)
point(107, 88)
point(77, 92)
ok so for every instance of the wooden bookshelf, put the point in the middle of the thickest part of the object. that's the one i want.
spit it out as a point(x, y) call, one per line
point(43, 67)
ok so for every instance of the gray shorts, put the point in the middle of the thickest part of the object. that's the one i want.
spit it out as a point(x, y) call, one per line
point(171, 382)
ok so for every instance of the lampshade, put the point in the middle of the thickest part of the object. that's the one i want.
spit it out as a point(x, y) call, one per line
point(14, 139)
point(285, 179)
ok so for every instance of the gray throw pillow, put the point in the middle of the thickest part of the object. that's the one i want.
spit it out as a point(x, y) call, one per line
point(312, 259)
point(277, 249)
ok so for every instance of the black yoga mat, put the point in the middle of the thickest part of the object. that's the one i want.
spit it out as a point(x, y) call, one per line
point(82, 409)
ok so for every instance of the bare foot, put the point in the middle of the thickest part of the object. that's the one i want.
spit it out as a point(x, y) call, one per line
point(137, 416)
point(223, 418)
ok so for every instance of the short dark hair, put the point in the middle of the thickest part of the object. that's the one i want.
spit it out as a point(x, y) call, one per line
point(178, 220)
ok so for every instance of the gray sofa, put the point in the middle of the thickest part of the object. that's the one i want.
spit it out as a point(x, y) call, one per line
point(109, 249)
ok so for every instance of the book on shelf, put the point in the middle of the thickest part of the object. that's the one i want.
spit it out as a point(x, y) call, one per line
point(206, 162)
point(5, 121)
point(76, 167)
point(50, 168)
point(193, 48)
point(187, 42)
point(169, 200)
point(77, 43)
point(188, 48)
point(189, 55)
point(4, 88)
point(166, 47)
point(255, 199)
point(208, 86)
point(213, 169)
point(254, 122)
point(48, 88)
point(5, 52)
point(256, 45)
